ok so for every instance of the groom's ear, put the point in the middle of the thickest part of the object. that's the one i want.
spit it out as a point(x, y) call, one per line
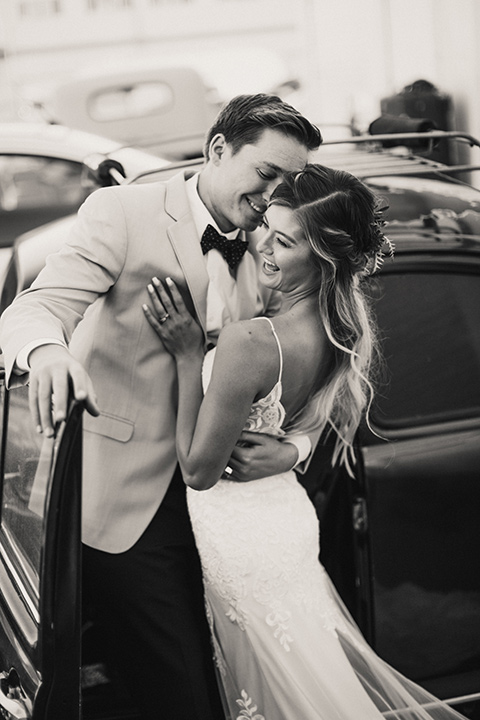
point(217, 148)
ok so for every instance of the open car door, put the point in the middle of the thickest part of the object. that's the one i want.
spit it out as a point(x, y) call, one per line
point(40, 609)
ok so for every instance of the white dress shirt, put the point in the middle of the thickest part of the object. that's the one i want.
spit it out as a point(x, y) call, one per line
point(223, 305)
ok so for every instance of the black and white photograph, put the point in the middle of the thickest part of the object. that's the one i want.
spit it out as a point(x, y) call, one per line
point(239, 360)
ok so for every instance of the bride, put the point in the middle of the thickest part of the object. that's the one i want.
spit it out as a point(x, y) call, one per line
point(285, 646)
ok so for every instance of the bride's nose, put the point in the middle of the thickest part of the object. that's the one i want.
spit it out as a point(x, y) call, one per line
point(265, 243)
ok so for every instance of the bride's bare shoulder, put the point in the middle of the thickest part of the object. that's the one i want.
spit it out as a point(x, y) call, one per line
point(244, 332)
point(248, 341)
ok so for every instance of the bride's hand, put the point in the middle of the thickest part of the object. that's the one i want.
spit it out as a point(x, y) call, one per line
point(181, 335)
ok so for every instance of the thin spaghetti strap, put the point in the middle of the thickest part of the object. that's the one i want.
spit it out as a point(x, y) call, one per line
point(278, 344)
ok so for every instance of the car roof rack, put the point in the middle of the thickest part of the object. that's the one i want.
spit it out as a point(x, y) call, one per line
point(377, 161)
point(370, 160)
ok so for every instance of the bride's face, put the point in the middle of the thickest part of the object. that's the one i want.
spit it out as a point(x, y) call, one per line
point(287, 259)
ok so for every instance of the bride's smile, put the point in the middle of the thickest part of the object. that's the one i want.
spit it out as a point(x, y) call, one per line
point(269, 266)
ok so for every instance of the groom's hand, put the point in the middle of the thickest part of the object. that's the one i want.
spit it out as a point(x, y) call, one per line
point(257, 455)
point(54, 373)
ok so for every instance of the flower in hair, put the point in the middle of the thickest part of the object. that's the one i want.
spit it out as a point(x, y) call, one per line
point(381, 244)
point(379, 257)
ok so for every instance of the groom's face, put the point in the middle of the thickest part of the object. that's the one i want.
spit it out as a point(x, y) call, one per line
point(242, 182)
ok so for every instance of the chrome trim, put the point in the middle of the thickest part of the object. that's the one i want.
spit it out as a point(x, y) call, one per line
point(19, 583)
point(13, 707)
point(428, 135)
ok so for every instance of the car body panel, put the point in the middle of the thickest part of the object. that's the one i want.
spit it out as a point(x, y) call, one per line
point(422, 516)
point(60, 141)
point(28, 255)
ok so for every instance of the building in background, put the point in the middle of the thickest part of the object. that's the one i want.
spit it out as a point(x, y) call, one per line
point(334, 59)
point(236, 45)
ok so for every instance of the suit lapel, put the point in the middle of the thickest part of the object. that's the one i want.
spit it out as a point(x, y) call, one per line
point(183, 237)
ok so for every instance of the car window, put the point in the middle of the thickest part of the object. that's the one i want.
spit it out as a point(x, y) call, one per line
point(135, 100)
point(27, 462)
point(431, 345)
point(35, 190)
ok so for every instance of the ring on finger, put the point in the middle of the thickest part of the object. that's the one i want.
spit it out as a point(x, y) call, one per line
point(228, 471)
point(163, 319)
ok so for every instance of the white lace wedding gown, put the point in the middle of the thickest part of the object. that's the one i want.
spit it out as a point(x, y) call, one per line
point(285, 646)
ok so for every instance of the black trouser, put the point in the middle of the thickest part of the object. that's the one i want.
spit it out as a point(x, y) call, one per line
point(150, 600)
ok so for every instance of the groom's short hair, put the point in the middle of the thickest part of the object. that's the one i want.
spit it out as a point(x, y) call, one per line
point(245, 117)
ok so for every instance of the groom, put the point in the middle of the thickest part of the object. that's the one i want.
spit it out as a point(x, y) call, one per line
point(81, 326)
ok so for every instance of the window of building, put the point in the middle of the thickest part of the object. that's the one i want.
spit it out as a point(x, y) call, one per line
point(109, 4)
point(135, 100)
point(39, 8)
point(172, 2)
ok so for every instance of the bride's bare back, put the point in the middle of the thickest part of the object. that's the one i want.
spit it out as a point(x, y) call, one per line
point(306, 356)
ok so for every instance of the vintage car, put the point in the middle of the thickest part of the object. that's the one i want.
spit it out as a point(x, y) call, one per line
point(47, 171)
point(400, 539)
point(167, 109)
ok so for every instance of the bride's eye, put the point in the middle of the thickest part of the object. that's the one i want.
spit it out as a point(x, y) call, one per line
point(281, 241)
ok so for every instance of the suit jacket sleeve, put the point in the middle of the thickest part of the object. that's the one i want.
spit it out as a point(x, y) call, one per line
point(86, 267)
point(313, 437)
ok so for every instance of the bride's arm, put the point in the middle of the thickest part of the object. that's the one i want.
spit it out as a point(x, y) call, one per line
point(204, 446)
point(206, 428)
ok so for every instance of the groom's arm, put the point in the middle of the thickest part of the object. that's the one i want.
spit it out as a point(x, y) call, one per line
point(258, 455)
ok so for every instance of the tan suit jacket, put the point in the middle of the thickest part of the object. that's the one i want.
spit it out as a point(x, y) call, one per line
point(90, 296)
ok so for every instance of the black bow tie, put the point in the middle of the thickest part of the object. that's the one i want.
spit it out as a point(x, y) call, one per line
point(232, 250)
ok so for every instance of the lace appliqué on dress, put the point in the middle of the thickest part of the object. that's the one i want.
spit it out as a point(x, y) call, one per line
point(280, 620)
point(267, 415)
point(249, 711)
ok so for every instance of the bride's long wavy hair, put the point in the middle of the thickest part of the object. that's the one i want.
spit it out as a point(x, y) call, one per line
point(341, 221)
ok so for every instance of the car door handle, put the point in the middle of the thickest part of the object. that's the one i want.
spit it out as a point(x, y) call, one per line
point(360, 516)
